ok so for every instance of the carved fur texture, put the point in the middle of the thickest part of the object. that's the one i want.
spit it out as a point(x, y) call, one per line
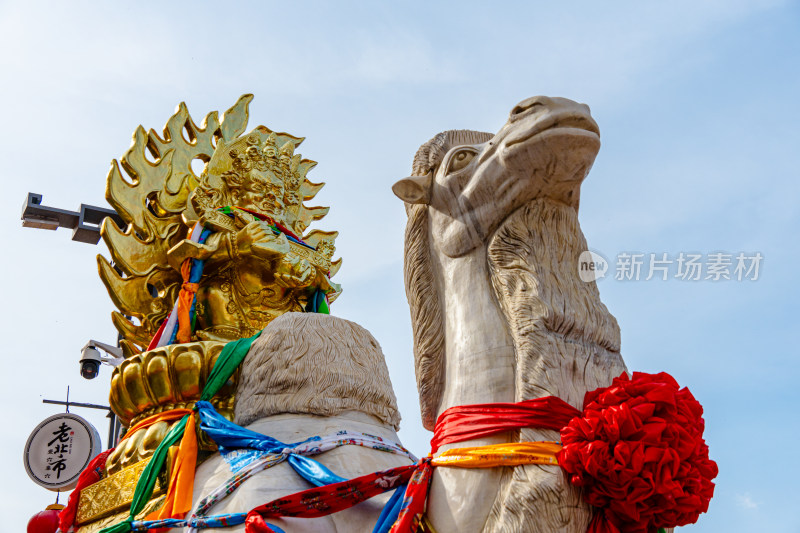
point(427, 321)
point(566, 343)
point(426, 315)
point(315, 364)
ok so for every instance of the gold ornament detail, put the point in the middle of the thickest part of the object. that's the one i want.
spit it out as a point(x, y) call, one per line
point(253, 271)
point(170, 377)
point(113, 494)
point(102, 523)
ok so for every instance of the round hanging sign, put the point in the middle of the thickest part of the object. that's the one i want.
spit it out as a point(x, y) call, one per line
point(59, 449)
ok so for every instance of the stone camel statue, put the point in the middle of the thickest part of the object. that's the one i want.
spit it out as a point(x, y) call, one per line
point(499, 314)
point(498, 311)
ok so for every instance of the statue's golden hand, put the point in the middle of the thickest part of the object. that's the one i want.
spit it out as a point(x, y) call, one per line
point(258, 239)
point(294, 274)
point(252, 233)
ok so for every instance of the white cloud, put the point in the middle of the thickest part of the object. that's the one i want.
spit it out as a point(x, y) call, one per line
point(745, 501)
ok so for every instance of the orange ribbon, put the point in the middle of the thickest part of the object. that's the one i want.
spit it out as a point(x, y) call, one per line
point(185, 299)
point(181, 482)
point(173, 414)
point(507, 454)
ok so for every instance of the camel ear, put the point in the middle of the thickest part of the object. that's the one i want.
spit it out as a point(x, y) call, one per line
point(414, 189)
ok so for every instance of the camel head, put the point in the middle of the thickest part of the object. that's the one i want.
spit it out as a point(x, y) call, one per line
point(473, 181)
point(464, 186)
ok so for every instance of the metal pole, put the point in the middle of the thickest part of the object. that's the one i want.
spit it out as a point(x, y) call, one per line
point(78, 404)
point(85, 224)
point(113, 426)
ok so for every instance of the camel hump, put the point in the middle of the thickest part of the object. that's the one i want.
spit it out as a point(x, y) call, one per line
point(315, 364)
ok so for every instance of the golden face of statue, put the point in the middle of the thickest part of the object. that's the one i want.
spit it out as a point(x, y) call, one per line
point(262, 192)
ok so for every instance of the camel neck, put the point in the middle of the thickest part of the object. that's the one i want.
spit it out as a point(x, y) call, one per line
point(479, 349)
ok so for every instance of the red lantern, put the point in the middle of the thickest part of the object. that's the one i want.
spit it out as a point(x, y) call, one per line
point(45, 521)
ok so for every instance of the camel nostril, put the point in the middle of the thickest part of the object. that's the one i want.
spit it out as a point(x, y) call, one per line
point(518, 110)
point(527, 105)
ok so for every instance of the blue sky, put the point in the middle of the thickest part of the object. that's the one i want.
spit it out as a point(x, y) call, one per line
point(698, 109)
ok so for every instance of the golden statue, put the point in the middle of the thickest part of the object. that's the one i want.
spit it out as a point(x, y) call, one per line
point(205, 259)
point(258, 261)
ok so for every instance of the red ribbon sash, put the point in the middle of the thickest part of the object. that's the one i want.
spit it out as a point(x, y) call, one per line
point(467, 422)
point(328, 499)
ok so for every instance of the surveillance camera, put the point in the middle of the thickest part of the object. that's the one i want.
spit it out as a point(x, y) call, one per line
point(90, 362)
point(91, 358)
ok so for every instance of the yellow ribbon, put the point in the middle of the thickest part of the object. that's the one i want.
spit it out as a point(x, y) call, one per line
point(507, 454)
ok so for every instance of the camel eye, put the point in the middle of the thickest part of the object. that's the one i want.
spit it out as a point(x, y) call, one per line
point(460, 160)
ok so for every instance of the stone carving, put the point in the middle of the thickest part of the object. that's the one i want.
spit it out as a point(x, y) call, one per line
point(311, 374)
point(498, 311)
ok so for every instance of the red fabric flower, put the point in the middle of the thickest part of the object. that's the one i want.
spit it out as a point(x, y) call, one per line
point(639, 455)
